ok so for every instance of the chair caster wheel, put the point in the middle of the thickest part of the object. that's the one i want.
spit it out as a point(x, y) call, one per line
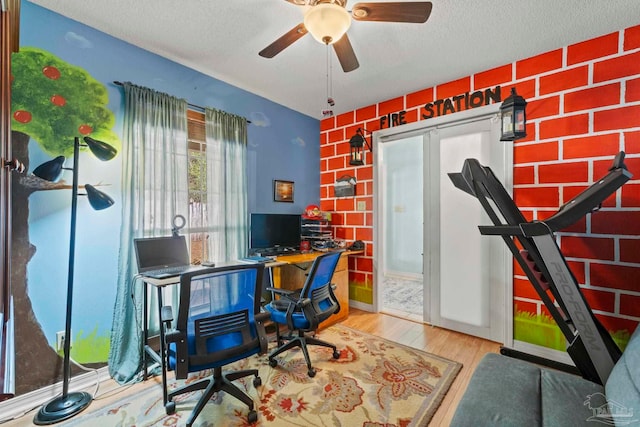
point(311, 373)
point(252, 417)
point(170, 408)
point(336, 354)
point(257, 382)
point(273, 363)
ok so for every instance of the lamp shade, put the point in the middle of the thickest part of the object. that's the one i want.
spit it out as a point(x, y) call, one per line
point(327, 22)
point(97, 199)
point(50, 171)
point(101, 150)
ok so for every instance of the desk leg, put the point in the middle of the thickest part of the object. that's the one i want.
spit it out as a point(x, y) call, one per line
point(273, 296)
point(145, 330)
point(163, 359)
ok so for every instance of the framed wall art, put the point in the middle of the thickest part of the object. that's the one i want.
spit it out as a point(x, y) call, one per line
point(282, 191)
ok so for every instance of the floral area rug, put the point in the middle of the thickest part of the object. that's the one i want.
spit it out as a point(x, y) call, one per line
point(375, 382)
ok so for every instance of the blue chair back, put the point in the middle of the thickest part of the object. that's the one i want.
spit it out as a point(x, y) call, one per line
point(318, 288)
point(217, 309)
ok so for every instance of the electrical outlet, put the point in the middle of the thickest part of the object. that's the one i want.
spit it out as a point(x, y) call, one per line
point(60, 340)
point(361, 205)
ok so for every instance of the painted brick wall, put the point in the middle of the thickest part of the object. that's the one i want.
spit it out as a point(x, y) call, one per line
point(583, 107)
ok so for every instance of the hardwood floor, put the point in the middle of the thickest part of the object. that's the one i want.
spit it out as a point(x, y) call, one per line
point(462, 348)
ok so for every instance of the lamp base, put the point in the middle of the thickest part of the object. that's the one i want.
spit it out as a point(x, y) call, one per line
point(62, 408)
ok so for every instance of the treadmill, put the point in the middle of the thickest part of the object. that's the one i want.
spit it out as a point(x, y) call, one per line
point(534, 247)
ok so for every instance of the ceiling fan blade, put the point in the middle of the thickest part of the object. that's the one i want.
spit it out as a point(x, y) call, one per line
point(414, 12)
point(346, 55)
point(283, 42)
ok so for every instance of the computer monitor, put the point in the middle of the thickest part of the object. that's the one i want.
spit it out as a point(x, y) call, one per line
point(274, 230)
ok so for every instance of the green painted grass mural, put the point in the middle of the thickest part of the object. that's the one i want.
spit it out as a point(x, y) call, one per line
point(541, 329)
point(91, 348)
point(538, 329)
point(361, 291)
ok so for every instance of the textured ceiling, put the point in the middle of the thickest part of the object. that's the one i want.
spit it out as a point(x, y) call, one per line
point(222, 38)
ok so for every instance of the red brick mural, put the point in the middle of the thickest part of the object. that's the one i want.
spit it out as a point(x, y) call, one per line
point(583, 107)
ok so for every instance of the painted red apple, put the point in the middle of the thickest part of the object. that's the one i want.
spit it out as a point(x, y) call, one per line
point(22, 116)
point(58, 100)
point(51, 72)
point(85, 129)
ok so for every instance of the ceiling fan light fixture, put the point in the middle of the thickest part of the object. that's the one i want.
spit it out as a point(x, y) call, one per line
point(327, 22)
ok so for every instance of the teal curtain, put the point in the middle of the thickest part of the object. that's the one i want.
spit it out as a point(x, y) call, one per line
point(226, 213)
point(154, 190)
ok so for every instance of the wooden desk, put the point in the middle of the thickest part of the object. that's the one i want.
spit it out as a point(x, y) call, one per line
point(290, 272)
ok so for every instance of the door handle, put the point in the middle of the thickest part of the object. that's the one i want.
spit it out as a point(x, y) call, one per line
point(14, 165)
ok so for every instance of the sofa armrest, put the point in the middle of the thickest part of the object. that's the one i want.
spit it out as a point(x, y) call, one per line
point(623, 385)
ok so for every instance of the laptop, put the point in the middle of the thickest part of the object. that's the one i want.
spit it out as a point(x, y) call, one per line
point(163, 257)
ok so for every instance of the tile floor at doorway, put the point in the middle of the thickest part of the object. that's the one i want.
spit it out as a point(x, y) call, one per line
point(402, 297)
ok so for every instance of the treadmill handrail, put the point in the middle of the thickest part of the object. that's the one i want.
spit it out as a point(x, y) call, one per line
point(591, 198)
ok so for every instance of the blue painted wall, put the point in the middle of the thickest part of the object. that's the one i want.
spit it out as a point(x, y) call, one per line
point(283, 144)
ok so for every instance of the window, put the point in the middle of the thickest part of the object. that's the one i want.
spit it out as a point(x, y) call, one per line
point(197, 186)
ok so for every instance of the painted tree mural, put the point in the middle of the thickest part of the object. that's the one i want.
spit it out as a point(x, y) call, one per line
point(52, 102)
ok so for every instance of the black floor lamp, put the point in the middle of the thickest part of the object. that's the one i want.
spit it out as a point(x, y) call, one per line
point(69, 404)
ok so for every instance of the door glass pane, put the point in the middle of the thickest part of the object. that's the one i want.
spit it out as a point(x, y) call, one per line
point(464, 256)
point(403, 206)
point(402, 227)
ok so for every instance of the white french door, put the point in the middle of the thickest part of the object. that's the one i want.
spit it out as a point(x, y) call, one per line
point(467, 277)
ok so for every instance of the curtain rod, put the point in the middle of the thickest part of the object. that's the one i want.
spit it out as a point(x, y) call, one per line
point(117, 83)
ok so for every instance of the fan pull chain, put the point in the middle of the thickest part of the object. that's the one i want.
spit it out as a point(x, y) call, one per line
point(328, 112)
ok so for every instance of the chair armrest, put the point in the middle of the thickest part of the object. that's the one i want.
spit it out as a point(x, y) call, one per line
point(280, 291)
point(174, 336)
point(260, 318)
point(332, 288)
point(166, 315)
point(303, 302)
point(180, 340)
point(293, 296)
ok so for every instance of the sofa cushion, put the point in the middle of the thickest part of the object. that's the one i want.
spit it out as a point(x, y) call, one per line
point(623, 385)
point(502, 392)
point(564, 396)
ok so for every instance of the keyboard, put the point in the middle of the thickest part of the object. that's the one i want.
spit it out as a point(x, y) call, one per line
point(257, 259)
point(273, 252)
point(162, 273)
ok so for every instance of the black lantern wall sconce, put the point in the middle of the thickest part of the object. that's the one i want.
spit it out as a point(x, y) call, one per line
point(514, 117)
point(356, 148)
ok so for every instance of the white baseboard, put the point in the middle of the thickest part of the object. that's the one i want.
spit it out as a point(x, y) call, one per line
point(361, 306)
point(20, 405)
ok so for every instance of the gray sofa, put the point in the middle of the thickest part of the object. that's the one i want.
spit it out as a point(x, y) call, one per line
point(504, 391)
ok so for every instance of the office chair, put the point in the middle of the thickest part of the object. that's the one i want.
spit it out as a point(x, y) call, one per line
point(303, 310)
point(219, 322)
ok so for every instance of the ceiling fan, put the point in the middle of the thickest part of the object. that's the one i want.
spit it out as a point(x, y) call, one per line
point(329, 20)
